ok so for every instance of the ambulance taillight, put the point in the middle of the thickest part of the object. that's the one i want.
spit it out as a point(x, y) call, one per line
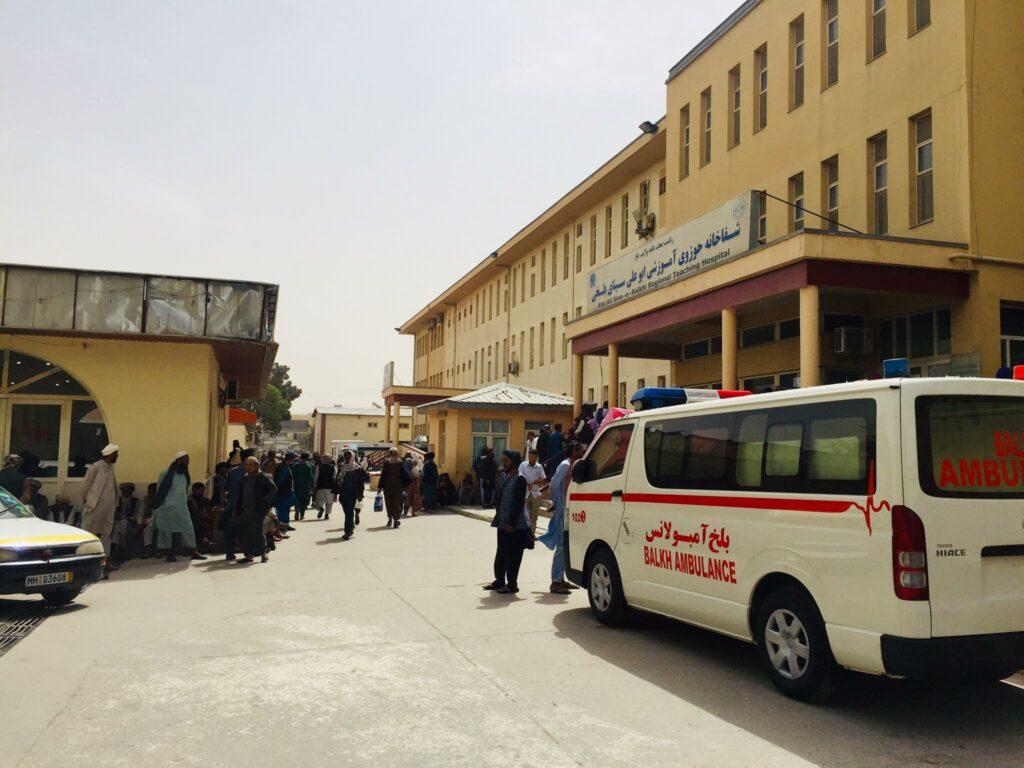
point(909, 555)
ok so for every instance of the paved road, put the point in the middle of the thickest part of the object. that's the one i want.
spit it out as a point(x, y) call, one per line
point(383, 651)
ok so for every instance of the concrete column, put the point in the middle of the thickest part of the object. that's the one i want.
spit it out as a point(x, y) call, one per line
point(577, 384)
point(395, 417)
point(613, 375)
point(810, 336)
point(387, 421)
point(730, 343)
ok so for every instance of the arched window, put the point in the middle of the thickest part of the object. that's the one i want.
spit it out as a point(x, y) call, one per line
point(49, 419)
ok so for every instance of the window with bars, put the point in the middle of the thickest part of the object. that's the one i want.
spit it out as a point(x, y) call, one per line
point(830, 192)
point(684, 142)
point(876, 40)
point(735, 102)
point(796, 201)
point(705, 134)
point(761, 87)
point(830, 35)
point(796, 61)
point(922, 188)
point(878, 152)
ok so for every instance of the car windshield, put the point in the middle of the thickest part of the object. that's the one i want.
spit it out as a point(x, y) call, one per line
point(10, 507)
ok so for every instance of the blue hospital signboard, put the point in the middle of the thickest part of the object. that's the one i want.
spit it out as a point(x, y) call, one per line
point(718, 236)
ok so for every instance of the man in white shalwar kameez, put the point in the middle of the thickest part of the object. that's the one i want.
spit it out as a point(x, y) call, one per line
point(99, 499)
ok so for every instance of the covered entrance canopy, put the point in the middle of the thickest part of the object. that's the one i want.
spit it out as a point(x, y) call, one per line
point(396, 396)
point(814, 304)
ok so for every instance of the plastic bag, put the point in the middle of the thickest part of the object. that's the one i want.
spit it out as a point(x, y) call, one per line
point(378, 502)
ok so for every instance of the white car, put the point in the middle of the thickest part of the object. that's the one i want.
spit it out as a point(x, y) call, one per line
point(875, 526)
point(40, 557)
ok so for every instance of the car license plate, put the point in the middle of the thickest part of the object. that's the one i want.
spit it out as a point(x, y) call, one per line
point(44, 579)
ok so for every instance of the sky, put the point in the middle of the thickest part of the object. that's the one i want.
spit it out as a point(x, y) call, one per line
point(362, 156)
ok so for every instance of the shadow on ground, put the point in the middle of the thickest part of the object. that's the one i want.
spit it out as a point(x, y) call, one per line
point(722, 676)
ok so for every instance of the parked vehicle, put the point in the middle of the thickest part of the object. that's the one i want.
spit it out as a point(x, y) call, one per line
point(39, 557)
point(875, 526)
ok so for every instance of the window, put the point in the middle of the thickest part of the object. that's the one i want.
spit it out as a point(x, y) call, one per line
point(522, 281)
point(817, 448)
point(789, 329)
point(542, 344)
point(878, 153)
point(757, 334)
point(922, 335)
point(796, 200)
point(830, 192)
point(579, 259)
point(705, 134)
point(920, 15)
point(607, 231)
point(761, 87)
point(735, 102)
point(923, 205)
point(590, 394)
point(554, 262)
point(641, 383)
point(624, 236)
point(533, 284)
point(609, 453)
point(684, 142)
point(551, 347)
point(877, 37)
point(488, 433)
point(532, 335)
point(661, 186)
point(661, 381)
point(702, 348)
point(593, 240)
point(761, 200)
point(969, 446)
point(565, 257)
point(622, 394)
point(1011, 333)
point(688, 452)
point(645, 195)
point(543, 268)
point(830, 15)
point(796, 63)
point(514, 281)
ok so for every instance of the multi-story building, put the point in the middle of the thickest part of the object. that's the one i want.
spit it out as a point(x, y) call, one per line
point(834, 182)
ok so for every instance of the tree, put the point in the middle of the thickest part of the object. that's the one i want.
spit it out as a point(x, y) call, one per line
point(280, 379)
point(276, 403)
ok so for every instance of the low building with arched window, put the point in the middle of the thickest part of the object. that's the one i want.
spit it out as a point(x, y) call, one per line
point(148, 362)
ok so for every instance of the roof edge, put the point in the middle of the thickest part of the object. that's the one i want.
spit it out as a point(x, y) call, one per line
point(730, 21)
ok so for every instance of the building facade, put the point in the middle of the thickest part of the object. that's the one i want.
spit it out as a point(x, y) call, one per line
point(834, 182)
point(357, 425)
point(148, 362)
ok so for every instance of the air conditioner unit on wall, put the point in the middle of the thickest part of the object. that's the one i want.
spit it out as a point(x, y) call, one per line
point(644, 222)
point(852, 341)
point(513, 368)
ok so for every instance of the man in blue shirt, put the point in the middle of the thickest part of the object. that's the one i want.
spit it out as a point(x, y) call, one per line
point(554, 538)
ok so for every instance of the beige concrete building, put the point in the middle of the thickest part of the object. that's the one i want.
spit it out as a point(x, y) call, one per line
point(362, 425)
point(834, 182)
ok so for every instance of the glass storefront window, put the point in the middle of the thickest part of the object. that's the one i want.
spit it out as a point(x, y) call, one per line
point(35, 436)
point(88, 437)
point(22, 368)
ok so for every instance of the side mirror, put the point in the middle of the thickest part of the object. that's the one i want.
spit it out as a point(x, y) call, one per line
point(583, 471)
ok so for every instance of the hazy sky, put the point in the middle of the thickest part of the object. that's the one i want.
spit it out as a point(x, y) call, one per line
point(361, 155)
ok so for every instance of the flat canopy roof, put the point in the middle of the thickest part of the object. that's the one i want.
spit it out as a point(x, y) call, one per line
point(503, 396)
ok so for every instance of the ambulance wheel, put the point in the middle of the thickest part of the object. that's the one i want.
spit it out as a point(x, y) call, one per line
point(60, 597)
point(604, 588)
point(793, 644)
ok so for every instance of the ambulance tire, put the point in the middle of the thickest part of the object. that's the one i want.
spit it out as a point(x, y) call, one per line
point(604, 588)
point(790, 622)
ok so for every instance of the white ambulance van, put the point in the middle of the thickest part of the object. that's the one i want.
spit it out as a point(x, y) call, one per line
point(875, 526)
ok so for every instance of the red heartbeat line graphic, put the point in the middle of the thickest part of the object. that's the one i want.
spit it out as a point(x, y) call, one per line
point(869, 506)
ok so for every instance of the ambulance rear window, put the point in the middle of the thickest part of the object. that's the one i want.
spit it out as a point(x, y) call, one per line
point(971, 446)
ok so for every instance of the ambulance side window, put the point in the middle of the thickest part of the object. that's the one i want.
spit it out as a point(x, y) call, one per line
point(750, 450)
point(782, 458)
point(609, 454)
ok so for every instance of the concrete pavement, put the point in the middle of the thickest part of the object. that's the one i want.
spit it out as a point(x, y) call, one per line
point(384, 651)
